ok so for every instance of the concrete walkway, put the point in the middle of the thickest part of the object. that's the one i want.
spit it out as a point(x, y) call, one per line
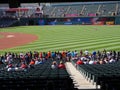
point(79, 81)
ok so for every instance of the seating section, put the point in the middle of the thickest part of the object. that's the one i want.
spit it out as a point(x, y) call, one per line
point(105, 75)
point(75, 9)
point(6, 22)
point(118, 12)
point(71, 10)
point(3, 8)
point(60, 11)
point(107, 9)
point(48, 10)
point(1, 12)
point(31, 7)
point(89, 9)
point(41, 77)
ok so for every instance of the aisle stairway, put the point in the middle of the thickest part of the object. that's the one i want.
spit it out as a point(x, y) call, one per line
point(79, 81)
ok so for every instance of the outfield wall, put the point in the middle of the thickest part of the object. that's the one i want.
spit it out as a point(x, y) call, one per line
point(71, 21)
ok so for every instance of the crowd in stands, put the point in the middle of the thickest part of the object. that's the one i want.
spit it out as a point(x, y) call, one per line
point(24, 61)
point(104, 57)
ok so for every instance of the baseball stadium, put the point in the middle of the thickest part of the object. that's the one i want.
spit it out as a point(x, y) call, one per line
point(60, 46)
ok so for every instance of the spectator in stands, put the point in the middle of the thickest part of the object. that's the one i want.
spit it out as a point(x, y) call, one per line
point(106, 60)
point(53, 55)
point(63, 55)
point(79, 62)
point(104, 57)
point(23, 67)
point(81, 52)
point(29, 55)
point(21, 55)
point(118, 56)
point(39, 61)
point(58, 55)
point(72, 54)
point(61, 65)
point(41, 55)
point(86, 61)
point(75, 53)
point(101, 61)
point(54, 65)
point(91, 62)
point(112, 60)
point(32, 62)
point(35, 54)
point(10, 67)
point(68, 56)
point(49, 54)
point(27, 58)
point(86, 52)
point(8, 58)
point(94, 53)
point(2, 59)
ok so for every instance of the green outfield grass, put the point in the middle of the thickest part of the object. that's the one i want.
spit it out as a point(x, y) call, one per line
point(56, 38)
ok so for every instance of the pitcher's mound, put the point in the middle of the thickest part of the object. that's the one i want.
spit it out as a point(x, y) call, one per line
point(10, 36)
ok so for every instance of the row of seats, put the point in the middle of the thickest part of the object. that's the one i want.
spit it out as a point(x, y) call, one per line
point(102, 74)
point(40, 77)
point(6, 22)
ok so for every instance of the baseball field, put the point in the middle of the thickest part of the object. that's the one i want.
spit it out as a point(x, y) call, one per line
point(58, 38)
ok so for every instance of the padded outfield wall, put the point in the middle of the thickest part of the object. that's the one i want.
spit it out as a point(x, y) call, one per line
point(71, 21)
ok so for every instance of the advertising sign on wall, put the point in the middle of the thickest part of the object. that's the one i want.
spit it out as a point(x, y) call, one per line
point(78, 21)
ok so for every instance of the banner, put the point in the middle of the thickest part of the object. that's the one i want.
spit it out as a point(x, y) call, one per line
point(98, 21)
point(71, 15)
point(92, 14)
point(110, 23)
point(78, 21)
point(41, 22)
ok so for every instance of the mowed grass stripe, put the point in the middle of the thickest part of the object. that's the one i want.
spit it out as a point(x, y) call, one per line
point(97, 47)
point(77, 39)
point(108, 47)
point(81, 43)
point(87, 46)
point(80, 35)
point(73, 40)
point(38, 46)
point(71, 49)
